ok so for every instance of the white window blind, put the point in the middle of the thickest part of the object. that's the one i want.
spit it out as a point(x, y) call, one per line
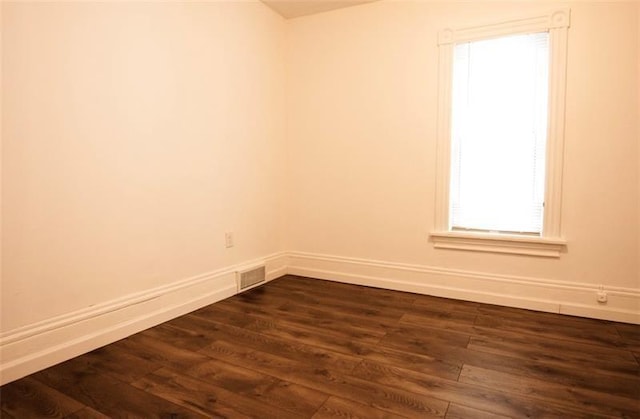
point(499, 133)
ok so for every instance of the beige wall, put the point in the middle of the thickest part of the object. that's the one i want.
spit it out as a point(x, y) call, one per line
point(1, 118)
point(134, 135)
point(362, 136)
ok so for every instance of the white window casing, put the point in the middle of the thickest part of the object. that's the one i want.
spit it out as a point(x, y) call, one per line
point(550, 242)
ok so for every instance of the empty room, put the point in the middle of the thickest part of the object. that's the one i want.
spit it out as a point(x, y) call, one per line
point(318, 208)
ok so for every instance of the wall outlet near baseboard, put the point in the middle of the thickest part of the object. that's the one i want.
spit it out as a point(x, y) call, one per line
point(602, 296)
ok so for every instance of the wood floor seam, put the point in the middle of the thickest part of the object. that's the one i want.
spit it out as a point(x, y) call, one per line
point(298, 347)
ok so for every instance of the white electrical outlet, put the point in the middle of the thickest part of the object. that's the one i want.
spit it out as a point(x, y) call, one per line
point(602, 297)
point(228, 239)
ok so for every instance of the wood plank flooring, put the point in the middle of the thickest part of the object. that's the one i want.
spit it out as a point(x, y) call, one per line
point(305, 348)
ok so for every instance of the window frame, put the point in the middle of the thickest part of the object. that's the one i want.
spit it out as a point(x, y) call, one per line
point(551, 242)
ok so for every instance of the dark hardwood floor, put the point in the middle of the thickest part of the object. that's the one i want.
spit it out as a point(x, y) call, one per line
point(304, 348)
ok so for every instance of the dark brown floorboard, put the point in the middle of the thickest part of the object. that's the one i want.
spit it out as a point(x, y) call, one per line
point(304, 348)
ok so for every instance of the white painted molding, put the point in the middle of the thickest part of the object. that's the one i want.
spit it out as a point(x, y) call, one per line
point(503, 243)
point(558, 19)
point(34, 347)
point(443, 136)
point(31, 348)
point(558, 44)
point(556, 23)
point(539, 294)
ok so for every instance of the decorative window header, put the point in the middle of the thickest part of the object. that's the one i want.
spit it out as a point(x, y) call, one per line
point(558, 19)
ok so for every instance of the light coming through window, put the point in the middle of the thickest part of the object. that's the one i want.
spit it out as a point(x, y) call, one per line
point(499, 134)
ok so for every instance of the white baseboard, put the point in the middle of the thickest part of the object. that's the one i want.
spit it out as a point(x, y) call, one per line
point(34, 347)
point(569, 298)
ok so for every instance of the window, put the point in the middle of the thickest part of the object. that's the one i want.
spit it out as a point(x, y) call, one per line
point(500, 136)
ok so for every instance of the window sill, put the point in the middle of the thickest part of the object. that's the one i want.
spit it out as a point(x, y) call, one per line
point(499, 243)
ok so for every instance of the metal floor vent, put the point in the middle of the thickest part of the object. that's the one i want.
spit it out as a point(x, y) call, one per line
point(250, 278)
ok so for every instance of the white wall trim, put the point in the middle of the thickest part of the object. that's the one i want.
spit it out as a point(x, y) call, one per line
point(558, 19)
point(28, 349)
point(557, 24)
point(33, 347)
point(503, 243)
point(573, 298)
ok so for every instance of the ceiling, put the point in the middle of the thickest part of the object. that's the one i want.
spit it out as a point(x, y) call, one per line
point(294, 8)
